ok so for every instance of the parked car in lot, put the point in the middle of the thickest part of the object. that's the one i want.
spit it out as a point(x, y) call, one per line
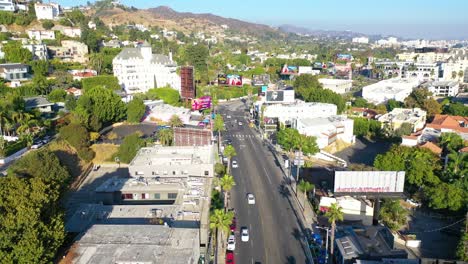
point(231, 243)
point(234, 164)
point(250, 198)
point(230, 258)
point(245, 234)
point(37, 145)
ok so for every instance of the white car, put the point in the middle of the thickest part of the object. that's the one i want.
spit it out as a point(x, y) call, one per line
point(245, 234)
point(240, 123)
point(231, 243)
point(228, 117)
point(250, 198)
point(234, 164)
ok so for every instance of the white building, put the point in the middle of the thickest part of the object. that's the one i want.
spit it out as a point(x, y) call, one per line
point(326, 129)
point(398, 116)
point(444, 88)
point(158, 111)
point(71, 32)
point(39, 51)
point(353, 209)
point(7, 5)
point(307, 70)
point(422, 71)
point(362, 40)
point(336, 85)
point(47, 11)
point(41, 34)
point(397, 89)
point(287, 113)
point(457, 63)
point(139, 70)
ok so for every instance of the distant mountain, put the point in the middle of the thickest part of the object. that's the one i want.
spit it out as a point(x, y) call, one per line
point(319, 33)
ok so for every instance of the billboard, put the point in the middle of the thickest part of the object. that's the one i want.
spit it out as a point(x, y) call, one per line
point(191, 136)
point(230, 79)
point(281, 96)
point(289, 70)
point(369, 182)
point(201, 103)
point(346, 57)
point(260, 80)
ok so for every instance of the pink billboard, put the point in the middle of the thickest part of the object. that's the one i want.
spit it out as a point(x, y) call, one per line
point(201, 103)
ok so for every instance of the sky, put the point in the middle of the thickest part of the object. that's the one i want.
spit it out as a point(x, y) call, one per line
point(431, 19)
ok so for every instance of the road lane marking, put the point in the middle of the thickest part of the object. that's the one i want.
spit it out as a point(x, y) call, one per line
point(266, 174)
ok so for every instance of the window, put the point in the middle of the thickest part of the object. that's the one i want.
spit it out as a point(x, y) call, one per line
point(144, 196)
point(173, 173)
point(207, 173)
point(157, 196)
point(127, 196)
point(172, 196)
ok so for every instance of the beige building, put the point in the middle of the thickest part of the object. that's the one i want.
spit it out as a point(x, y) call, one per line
point(70, 51)
point(398, 116)
point(336, 85)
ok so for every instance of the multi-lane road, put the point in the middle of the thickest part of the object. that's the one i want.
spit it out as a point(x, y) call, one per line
point(275, 235)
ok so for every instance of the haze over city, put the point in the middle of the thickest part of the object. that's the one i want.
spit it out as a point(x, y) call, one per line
point(429, 19)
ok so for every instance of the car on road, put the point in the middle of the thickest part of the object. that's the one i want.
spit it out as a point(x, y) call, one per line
point(240, 123)
point(37, 145)
point(228, 117)
point(234, 164)
point(245, 234)
point(250, 198)
point(230, 258)
point(231, 243)
point(228, 142)
point(232, 227)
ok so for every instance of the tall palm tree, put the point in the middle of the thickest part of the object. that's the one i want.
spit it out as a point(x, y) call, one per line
point(227, 182)
point(175, 121)
point(165, 136)
point(458, 162)
point(334, 214)
point(218, 126)
point(305, 187)
point(229, 152)
point(220, 222)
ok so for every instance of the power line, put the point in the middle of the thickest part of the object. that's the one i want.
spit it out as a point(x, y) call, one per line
point(438, 229)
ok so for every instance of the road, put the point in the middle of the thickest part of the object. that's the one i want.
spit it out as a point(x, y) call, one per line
point(275, 235)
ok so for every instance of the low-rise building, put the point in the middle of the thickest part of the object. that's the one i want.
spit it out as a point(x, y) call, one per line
point(396, 89)
point(39, 35)
point(14, 71)
point(444, 88)
point(416, 117)
point(49, 11)
point(326, 129)
point(38, 102)
point(7, 5)
point(449, 123)
point(158, 111)
point(70, 51)
point(362, 40)
point(355, 210)
point(362, 112)
point(39, 51)
point(71, 32)
point(337, 85)
point(74, 91)
point(286, 113)
point(82, 74)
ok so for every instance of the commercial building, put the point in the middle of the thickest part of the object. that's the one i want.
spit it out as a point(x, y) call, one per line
point(354, 210)
point(14, 71)
point(47, 11)
point(336, 85)
point(7, 5)
point(416, 117)
point(286, 113)
point(362, 40)
point(365, 243)
point(39, 35)
point(70, 51)
point(444, 88)
point(139, 70)
point(326, 129)
point(396, 89)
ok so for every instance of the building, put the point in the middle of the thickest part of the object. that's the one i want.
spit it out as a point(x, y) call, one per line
point(71, 32)
point(398, 116)
point(185, 136)
point(74, 91)
point(336, 85)
point(396, 89)
point(70, 51)
point(39, 51)
point(158, 111)
point(47, 11)
point(286, 113)
point(362, 40)
point(456, 66)
point(326, 129)
point(38, 102)
point(14, 71)
point(82, 74)
point(365, 243)
point(422, 71)
point(39, 35)
point(187, 83)
point(139, 70)
point(444, 88)
point(354, 210)
point(448, 123)
point(7, 5)
point(362, 112)
point(114, 43)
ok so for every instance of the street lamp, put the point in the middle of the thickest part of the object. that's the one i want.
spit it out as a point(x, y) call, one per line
point(326, 241)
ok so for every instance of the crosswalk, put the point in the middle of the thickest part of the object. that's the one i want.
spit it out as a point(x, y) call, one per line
point(243, 136)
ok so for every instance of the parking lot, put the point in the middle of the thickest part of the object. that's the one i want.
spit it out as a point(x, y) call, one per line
point(147, 129)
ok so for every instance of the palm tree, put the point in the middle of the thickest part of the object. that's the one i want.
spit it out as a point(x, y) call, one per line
point(454, 74)
point(334, 214)
point(220, 221)
point(229, 152)
point(175, 121)
point(219, 126)
point(165, 136)
point(227, 182)
point(458, 162)
point(460, 74)
point(305, 187)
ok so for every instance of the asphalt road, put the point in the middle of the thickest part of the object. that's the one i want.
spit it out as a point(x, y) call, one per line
point(274, 229)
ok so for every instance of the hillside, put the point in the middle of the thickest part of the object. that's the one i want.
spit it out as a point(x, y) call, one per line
point(166, 17)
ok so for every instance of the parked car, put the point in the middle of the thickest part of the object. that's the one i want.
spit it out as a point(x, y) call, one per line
point(231, 243)
point(250, 198)
point(245, 234)
point(234, 164)
point(230, 258)
point(37, 145)
point(232, 227)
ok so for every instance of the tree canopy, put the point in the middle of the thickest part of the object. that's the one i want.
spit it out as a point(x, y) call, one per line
point(422, 98)
point(167, 94)
point(105, 81)
point(135, 110)
point(311, 90)
point(393, 214)
point(14, 52)
point(129, 147)
point(290, 139)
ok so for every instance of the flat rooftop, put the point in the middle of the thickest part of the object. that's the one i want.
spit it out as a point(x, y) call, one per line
point(133, 184)
point(175, 155)
point(138, 244)
point(394, 85)
point(323, 120)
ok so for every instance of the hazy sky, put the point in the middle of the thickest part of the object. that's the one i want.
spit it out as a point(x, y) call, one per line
point(407, 18)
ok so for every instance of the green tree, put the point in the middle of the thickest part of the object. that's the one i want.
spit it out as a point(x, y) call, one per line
point(334, 214)
point(57, 95)
point(218, 126)
point(47, 24)
point(129, 147)
point(135, 110)
point(462, 248)
point(220, 222)
point(446, 196)
point(227, 183)
point(70, 102)
point(404, 130)
point(457, 109)
point(361, 102)
point(451, 142)
point(290, 139)
point(105, 81)
point(175, 121)
point(361, 127)
point(393, 214)
point(229, 153)
point(197, 55)
point(166, 136)
point(168, 95)
point(422, 98)
point(14, 52)
point(305, 187)
point(392, 104)
point(78, 137)
point(220, 169)
point(307, 81)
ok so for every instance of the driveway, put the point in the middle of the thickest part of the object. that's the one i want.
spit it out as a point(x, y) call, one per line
point(364, 151)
